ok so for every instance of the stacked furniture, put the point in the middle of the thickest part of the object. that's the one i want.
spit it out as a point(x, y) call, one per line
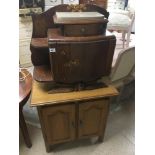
point(68, 56)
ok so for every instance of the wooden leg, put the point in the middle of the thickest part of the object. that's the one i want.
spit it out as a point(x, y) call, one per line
point(123, 37)
point(48, 148)
point(100, 138)
point(128, 38)
point(24, 130)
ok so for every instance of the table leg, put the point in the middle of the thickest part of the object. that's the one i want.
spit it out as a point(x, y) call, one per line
point(24, 130)
point(100, 138)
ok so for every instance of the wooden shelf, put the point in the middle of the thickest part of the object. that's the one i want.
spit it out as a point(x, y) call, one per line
point(42, 74)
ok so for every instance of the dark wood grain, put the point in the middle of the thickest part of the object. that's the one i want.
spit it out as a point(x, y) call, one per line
point(43, 73)
point(25, 85)
point(101, 3)
point(42, 22)
point(80, 59)
point(24, 94)
point(56, 35)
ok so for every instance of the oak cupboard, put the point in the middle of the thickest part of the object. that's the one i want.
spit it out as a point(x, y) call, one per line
point(66, 117)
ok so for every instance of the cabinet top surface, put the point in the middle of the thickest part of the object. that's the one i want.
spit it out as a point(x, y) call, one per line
point(78, 17)
point(41, 97)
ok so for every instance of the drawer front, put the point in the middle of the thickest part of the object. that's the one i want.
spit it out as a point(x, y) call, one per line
point(53, 2)
point(83, 30)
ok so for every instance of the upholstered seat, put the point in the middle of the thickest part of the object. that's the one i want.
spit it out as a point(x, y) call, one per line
point(121, 20)
point(118, 22)
point(122, 72)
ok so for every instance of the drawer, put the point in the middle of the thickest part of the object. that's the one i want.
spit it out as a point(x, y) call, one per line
point(83, 30)
point(70, 1)
point(53, 2)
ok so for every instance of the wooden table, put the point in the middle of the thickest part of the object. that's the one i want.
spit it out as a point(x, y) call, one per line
point(25, 85)
point(71, 116)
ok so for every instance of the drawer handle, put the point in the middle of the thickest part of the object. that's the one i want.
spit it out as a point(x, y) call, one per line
point(83, 30)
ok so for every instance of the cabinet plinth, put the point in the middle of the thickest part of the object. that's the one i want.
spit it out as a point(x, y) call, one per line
point(71, 116)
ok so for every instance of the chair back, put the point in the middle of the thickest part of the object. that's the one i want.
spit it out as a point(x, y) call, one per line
point(124, 65)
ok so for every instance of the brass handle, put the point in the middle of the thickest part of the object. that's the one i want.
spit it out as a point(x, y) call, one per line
point(83, 30)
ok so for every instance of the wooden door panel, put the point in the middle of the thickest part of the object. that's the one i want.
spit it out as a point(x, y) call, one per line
point(92, 117)
point(59, 123)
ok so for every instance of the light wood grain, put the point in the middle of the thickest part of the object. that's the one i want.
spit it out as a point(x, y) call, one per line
point(40, 95)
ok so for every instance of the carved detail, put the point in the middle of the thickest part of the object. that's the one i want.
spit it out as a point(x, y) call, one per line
point(75, 62)
point(76, 7)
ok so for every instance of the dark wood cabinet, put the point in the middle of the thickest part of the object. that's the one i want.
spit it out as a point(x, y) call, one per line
point(78, 114)
point(79, 59)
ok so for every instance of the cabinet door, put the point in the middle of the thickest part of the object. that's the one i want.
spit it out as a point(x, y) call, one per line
point(92, 117)
point(59, 123)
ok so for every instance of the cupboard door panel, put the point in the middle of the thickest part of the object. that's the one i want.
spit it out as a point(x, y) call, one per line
point(59, 123)
point(92, 117)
